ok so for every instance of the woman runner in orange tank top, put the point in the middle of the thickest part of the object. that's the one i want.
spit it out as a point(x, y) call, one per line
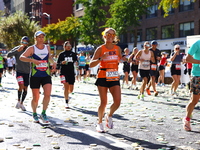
point(108, 55)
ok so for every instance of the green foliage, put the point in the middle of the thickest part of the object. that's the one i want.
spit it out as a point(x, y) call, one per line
point(63, 30)
point(126, 13)
point(14, 27)
point(166, 4)
point(92, 21)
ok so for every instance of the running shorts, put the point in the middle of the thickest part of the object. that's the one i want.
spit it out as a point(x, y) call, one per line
point(35, 82)
point(104, 83)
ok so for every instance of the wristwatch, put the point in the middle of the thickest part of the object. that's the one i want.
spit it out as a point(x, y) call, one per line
point(99, 58)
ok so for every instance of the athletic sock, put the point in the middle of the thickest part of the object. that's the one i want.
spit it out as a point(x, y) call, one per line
point(24, 96)
point(187, 118)
point(34, 114)
point(67, 101)
point(44, 112)
point(19, 95)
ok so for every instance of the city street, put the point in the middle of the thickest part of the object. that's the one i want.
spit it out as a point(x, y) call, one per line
point(155, 123)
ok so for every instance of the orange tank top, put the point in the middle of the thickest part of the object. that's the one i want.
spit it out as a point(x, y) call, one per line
point(110, 62)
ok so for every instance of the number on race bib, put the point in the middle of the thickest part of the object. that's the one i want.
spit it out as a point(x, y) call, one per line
point(112, 75)
point(42, 66)
point(178, 67)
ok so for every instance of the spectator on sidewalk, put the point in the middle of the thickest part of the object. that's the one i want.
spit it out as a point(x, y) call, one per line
point(108, 55)
point(22, 71)
point(134, 68)
point(65, 63)
point(161, 68)
point(40, 74)
point(176, 58)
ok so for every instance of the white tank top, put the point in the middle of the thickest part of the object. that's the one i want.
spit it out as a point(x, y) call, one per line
point(145, 65)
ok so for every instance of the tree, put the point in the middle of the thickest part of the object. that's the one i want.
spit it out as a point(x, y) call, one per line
point(67, 29)
point(166, 4)
point(14, 27)
point(126, 14)
point(92, 21)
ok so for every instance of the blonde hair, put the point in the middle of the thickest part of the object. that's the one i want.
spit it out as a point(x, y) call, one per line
point(116, 40)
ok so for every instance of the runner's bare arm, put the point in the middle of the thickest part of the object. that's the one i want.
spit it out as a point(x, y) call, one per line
point(152, 57)
point(25, 56)
point(51, 59)
point(190, 59)
point(96, 58)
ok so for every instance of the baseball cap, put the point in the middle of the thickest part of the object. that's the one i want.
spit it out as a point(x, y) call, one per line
point(37, 33)
point(25, 38)
point(154, 42)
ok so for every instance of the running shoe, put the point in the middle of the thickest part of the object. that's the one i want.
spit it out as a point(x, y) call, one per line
point(148, 91)
point(0, 85)
point(100, 128)
point(18, 105)
point(22, 107)
point(156, 93)
point(159, 84)
point(67, 106)
point(109, 122)
point(36, 119)
point(142, 97)
point(138, 96)
point(186, 125)
point(44, 118)
point(162, 84)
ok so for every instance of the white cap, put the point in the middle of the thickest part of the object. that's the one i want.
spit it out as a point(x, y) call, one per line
point(39, 33)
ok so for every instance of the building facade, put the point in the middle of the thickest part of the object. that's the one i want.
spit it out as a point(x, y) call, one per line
point(182, 22)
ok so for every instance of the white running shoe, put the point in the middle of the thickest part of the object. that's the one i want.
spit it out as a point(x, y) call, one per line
point(100, 128)
point(18, 106)
point(67, 106)
point(109, 122)
point(22, 107)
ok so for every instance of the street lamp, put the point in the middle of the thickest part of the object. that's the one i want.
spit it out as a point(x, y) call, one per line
point(48, 16)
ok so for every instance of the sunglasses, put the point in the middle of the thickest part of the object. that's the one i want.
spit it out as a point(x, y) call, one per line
point(24, 42)
point(177, 48)
point(109, 34)
point(148, 45)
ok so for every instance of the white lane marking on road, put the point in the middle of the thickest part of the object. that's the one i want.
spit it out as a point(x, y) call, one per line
point(103, 138)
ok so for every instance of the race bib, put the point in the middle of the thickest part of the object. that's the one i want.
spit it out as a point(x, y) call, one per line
point(62, 79)
point(82, 63)
point(42, 66)
point(146, 64)
point(153, 67)
point(20, 80)
point(178, 67)
point(112, 75)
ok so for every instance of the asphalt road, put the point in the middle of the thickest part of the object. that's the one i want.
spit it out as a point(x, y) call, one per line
point(155, 123)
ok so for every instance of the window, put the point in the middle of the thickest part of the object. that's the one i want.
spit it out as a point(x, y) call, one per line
point(168, 31)
point(79, 6)
point(151, 34)
point(186, 5)
point(139, 36)
point(186, 29)
point(152, 11)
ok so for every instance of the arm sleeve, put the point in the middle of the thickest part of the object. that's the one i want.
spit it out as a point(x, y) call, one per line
point(13, 52)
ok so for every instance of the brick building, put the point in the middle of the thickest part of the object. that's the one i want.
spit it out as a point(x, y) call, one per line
point(181, 22)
